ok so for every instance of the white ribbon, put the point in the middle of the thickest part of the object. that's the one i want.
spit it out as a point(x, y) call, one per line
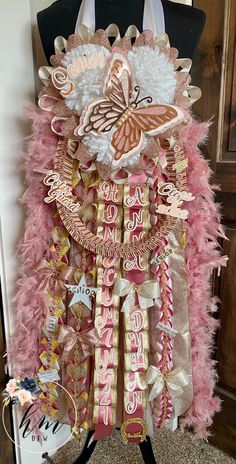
point(174, 381)
point(146, 292)
point(153, 16)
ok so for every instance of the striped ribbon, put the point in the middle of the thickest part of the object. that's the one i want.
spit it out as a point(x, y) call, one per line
point(109, 222)
point(136, 339)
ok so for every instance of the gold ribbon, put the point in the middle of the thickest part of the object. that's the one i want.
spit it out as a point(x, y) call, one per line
point(146, 292)
point(182, 341)
point(173, 380)
point(87, 337)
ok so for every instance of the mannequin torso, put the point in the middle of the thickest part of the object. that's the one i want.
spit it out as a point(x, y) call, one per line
point(184, 24)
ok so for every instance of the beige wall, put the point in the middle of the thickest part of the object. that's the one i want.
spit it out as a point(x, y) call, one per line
point(18, 87)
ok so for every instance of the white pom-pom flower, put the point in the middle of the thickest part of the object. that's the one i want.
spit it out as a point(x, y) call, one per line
point(154, 73)
point(89, 83)
point(99, 146)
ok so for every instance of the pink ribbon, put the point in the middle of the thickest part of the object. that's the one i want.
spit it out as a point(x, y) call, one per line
point(87, 337)
point(54, 278)
point(150, 169)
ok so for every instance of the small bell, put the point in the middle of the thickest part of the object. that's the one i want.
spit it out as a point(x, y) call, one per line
point(76, 433)
point(183, 241)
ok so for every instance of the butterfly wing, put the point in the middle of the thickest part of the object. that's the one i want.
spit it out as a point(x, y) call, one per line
point(117, 85)
point(100, 115)
point(153, 119)
point(126, 141)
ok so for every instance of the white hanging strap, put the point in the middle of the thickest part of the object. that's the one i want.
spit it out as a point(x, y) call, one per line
point(153, 16)
point(86, 15)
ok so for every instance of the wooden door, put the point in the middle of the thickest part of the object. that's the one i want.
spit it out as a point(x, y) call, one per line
point(214, 70)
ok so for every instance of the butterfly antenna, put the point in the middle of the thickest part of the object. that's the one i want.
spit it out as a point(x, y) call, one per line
point(148, 99)
point(136, 102)
point(137, 90)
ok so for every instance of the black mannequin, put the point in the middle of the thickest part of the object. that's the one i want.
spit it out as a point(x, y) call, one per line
point(184, 24)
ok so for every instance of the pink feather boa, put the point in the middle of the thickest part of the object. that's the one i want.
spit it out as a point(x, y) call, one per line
point(202, 256)
point(30, 305)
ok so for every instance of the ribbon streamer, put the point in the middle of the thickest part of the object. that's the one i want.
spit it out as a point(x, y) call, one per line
point(146, 292)
point(87, 337)
point(173, 380)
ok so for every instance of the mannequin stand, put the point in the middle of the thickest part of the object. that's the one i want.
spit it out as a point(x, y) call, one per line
point(87, 451)
point(48, 459)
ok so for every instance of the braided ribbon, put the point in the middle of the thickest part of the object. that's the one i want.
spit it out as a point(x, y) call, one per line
point(87, 337)
point(146, 292)
point(173, 380)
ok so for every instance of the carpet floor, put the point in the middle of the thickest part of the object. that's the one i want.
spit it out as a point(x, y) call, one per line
point(169, 448)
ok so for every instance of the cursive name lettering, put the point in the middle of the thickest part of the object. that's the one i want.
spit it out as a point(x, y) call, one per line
point(59, 191)
point(175, 198)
